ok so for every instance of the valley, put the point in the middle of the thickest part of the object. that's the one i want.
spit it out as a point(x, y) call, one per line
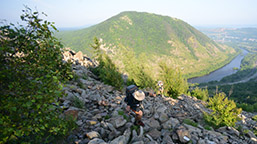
point(241, 85)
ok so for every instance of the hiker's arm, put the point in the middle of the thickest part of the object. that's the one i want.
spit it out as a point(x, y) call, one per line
point(127, 108)
point(151, 94)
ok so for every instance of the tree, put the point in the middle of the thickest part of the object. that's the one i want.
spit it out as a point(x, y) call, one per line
point(174, 83)
point(137, 71)
point(224, 111)
point(31, 77)
point(201, 94)
point(106, 69)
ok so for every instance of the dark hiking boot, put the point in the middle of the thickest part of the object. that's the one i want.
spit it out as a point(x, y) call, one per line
point(139, 123)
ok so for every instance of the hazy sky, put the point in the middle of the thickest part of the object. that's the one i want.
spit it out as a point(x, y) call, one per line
point(75, 13)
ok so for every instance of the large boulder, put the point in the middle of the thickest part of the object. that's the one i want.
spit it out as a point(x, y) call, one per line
point(183, 134)
point(152, 123)
point(154, 133)
point(170, 124)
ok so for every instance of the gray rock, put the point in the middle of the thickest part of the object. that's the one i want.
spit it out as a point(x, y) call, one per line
point(138, 142)
point(93, 134)
point(183, 134)
point(119, 140)
point(193, 129)
point(210, 142)
point(79, 123)
point(156, 116)
point(212, 135)
point(171, 123)
point(113, 134)
point(123, 139)
point(167, 140)
point(85, 141)
point(154, 133)
point(152, 123)
point(149, 137)
point(251, 135)
point(111, 127)
point(161, 108)
point(233, 131)
point(119, 121)
point(163, 117)
point(201, 141)
point(97, 141)
point(152, 142)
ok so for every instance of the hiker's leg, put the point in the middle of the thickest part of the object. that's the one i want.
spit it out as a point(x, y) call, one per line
point(139, 115)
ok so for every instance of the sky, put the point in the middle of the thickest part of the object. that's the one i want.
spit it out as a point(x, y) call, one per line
point(81, 13)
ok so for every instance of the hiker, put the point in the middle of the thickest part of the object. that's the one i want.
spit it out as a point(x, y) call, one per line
point(160, 89)
point(134, 98)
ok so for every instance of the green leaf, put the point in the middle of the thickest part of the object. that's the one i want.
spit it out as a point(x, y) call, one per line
point(28, 103)
point(54, 77)
point(14, 108)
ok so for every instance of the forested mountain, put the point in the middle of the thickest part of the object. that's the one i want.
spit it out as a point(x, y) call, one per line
point(155, 38)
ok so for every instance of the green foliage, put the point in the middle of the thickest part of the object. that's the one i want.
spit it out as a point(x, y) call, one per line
point(207, 127)
point(244, 94)
point(248, 107)
point(224, 111)
point(77, 102)
point(31, 74)
point(201, 94)
point(138, 73)
point(190, 122)
point(123, 114)
point(159, 37)
point(175, 84)
point(106, 70)
point(255, 118)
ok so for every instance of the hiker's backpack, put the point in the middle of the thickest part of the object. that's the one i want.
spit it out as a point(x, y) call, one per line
point(129, 91)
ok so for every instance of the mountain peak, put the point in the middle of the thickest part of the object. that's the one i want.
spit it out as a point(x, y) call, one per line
point(161, 38)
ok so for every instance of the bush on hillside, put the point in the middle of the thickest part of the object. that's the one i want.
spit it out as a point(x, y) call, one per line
point(106, 69)
point(137, 71)
point(201, 94)
point(175, 84)
point(224, 111)
point(31, 74)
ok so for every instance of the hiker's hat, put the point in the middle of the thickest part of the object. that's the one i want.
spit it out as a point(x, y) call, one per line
point(139, 95)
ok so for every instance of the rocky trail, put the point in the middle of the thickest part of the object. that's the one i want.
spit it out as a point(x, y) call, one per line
point(102, 118)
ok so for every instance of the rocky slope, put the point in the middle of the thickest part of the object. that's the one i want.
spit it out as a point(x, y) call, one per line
point(102, 119)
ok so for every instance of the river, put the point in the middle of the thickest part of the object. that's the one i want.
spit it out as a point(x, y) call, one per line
point(227, 70)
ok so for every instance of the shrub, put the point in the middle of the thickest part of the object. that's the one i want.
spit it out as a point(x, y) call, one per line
point(201, 94)
point(175, 84)
point(224, 111)
point(255, 117)
point(106, 70)
point(31, 77)
point(138, 72)
point(77, 102)
point(207, 127)
point(190, 122)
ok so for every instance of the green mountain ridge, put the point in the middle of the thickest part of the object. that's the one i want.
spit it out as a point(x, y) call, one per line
point(160, 38)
